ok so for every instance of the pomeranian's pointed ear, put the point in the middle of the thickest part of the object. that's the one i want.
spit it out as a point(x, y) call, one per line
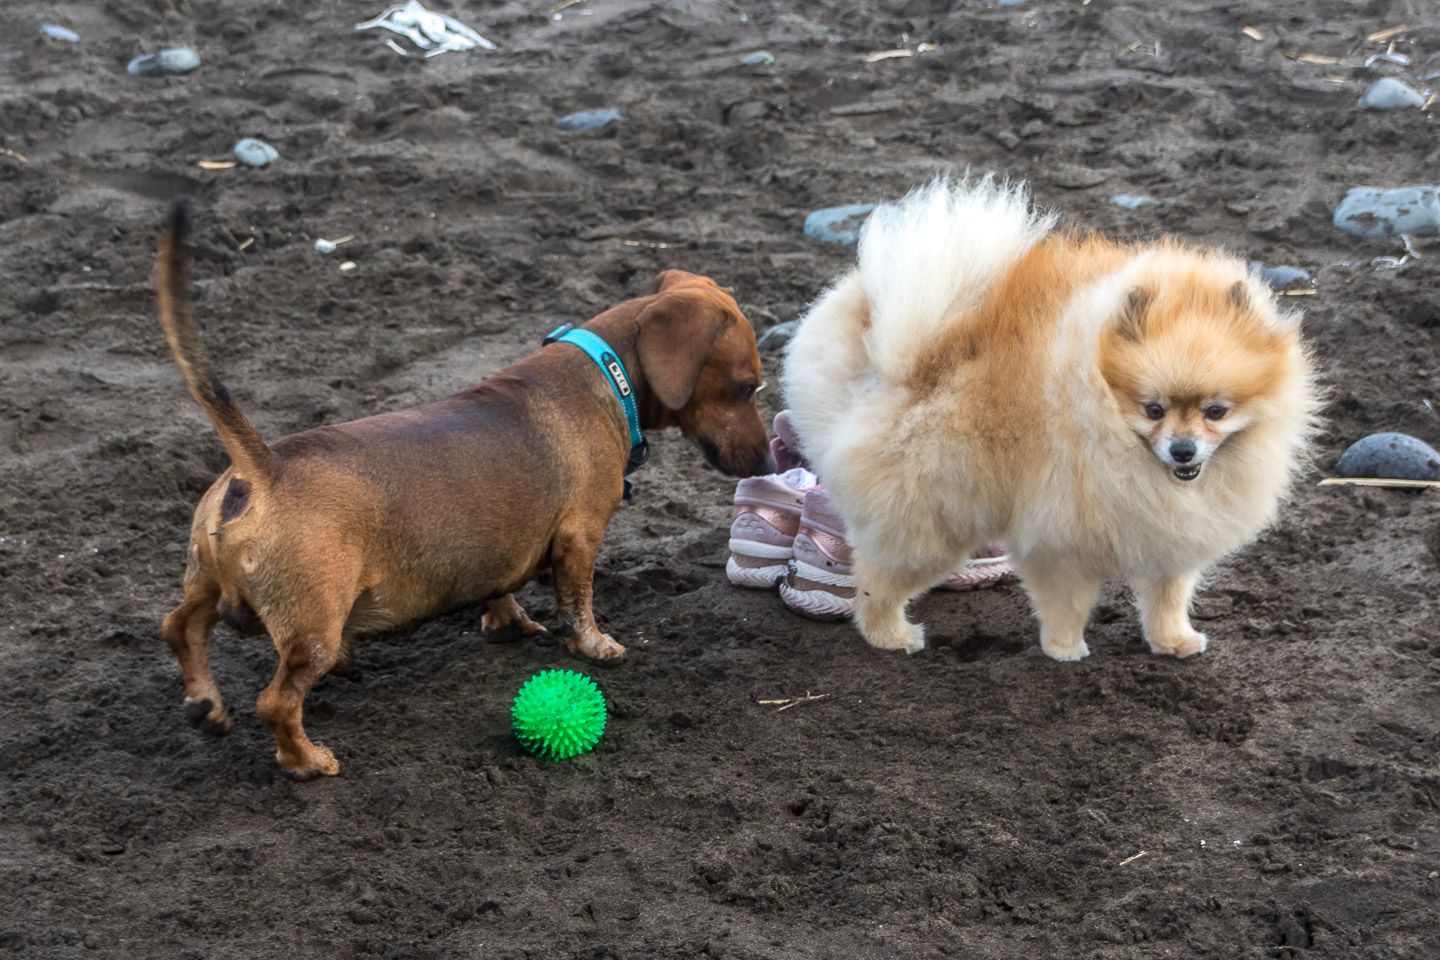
point(1131, 322)
point(1239, 297)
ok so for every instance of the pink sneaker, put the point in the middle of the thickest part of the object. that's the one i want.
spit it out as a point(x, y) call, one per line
point(763, 527)
point(820, 584)
point(987, 568)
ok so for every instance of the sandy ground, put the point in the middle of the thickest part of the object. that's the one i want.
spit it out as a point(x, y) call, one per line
point(1276, 797)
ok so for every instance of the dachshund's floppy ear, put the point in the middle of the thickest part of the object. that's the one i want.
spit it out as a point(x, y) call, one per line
point(677, 332)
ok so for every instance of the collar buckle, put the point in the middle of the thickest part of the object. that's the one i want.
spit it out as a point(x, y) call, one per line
point(639, 454)
point(556, 334)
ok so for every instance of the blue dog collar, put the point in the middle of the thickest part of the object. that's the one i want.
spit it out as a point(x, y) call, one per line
point(598, 350)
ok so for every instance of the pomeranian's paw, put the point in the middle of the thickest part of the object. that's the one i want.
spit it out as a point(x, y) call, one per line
point(1070, 652)
point(1180, 645)
point(910, 638)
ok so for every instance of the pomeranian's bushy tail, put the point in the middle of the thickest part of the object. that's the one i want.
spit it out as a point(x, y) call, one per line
point(936, 254)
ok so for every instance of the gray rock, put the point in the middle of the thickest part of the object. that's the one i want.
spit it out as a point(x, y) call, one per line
point(1073, 176)
point(1133, 201)
point(778, 335)
point(166, 63)
point(255, 153)
point(1282, 278)
point(840, 225)
point(1387, 93)
point(1395, 456)
point(1375, 212)
point(587, 120)
point(56, 32)
point(760, 58)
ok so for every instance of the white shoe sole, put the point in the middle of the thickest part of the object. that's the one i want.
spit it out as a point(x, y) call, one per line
point(979, 572)
point(818, 604)
point(808, 571)
point(755, 578)
point(756, 550)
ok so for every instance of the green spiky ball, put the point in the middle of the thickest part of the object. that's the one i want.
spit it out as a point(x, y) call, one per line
point(558, 714)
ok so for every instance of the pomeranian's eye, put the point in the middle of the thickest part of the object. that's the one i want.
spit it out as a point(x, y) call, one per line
point(1216, 411)
point(1154, 411)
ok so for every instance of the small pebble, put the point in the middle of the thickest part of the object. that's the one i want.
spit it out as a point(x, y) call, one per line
point(1395, 456)
point(1388, 56)
point(778, 335)
point(1075, 176)
point(1374, 212)
point(760, 58)
point(1009, 3)
point(589, 120)
point(838, 224)
point(325, 246)
point(1133, 201)
point(56, 32)
point(165, 63)
point(347, 266)
point(1008, 139)
point(255, 153)
point(1388, 93)
point(1282, 278)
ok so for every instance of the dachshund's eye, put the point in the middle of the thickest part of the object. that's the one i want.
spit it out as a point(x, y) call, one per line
point(1154, 411)
point(747, 390)
point(1216, 411)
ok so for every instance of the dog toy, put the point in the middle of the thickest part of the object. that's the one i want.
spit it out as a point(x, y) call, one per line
point(558, 714)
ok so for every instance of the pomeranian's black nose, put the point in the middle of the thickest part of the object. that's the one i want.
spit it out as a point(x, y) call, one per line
point(1182, 451)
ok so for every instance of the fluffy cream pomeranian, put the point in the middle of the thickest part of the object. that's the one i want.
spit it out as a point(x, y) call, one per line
point(1108, 410)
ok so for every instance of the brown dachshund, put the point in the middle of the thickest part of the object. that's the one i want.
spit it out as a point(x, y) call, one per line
point(364, 526)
